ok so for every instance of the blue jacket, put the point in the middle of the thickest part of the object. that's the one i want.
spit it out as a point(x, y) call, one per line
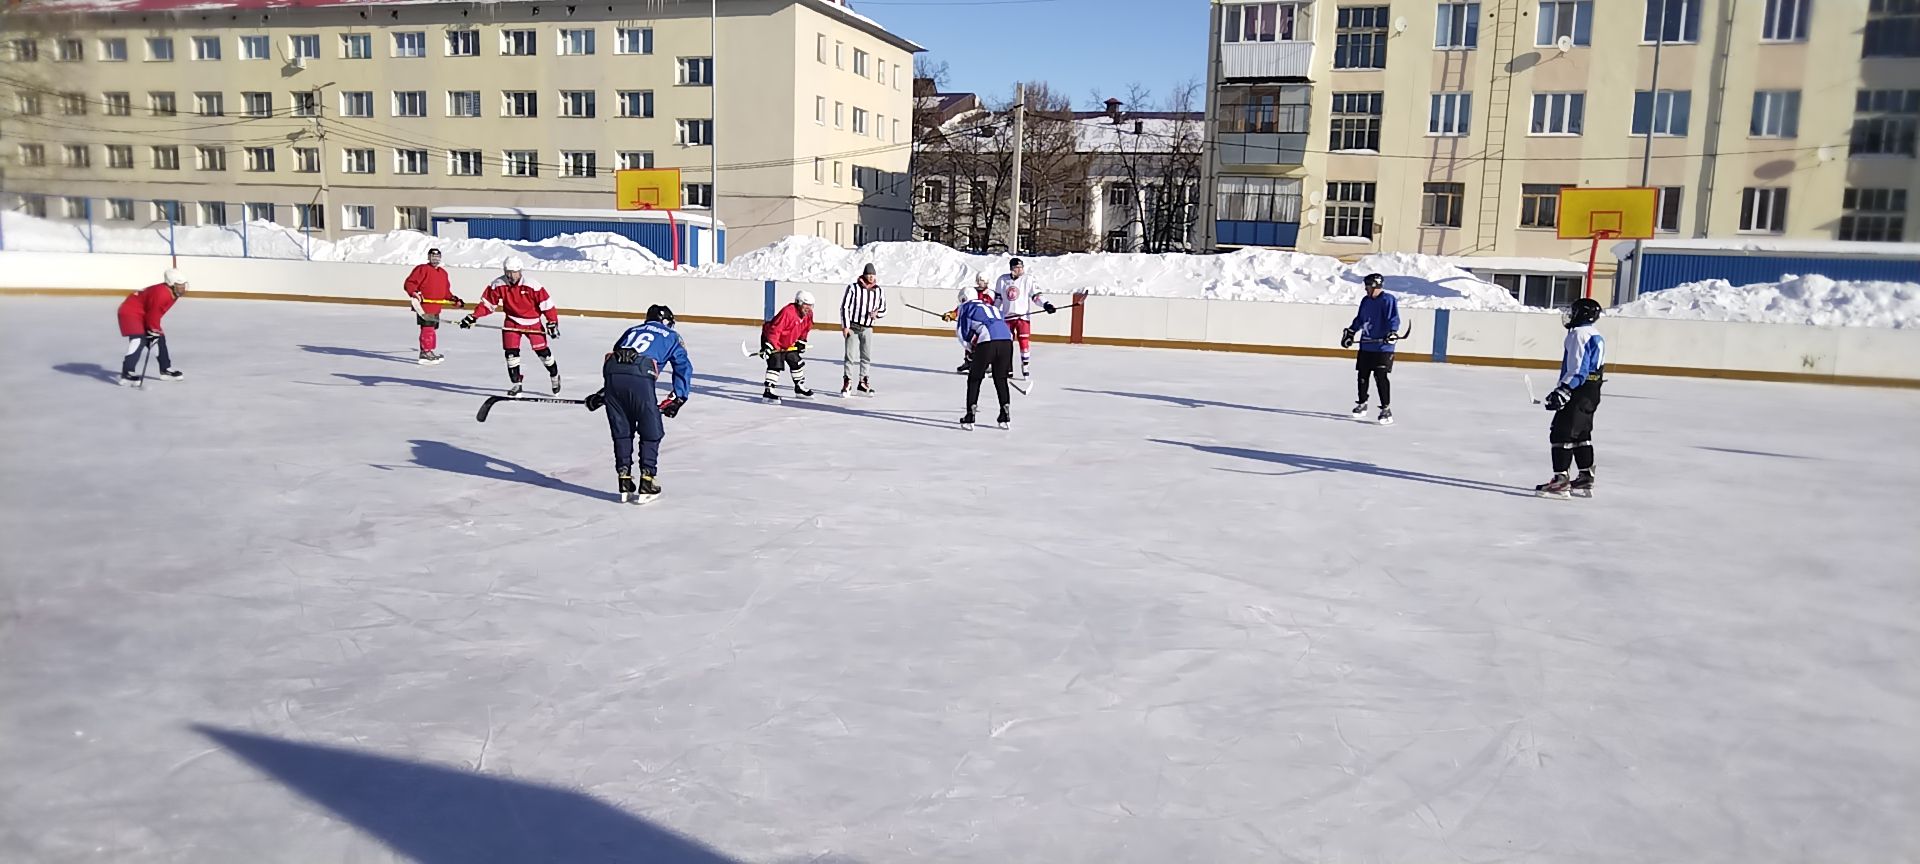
point(658, 346)
point(1379, 316)
point(1585, 357)
point(979, 323)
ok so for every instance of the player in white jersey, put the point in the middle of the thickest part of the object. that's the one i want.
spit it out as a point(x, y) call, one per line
point(1017, 301)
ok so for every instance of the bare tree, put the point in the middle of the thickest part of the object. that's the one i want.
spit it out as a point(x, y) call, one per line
point(1155, 156)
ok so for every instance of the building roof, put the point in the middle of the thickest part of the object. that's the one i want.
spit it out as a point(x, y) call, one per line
point(1775, 246)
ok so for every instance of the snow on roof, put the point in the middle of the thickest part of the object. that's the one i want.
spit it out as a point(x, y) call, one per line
point(582, 214)
point(863, 22)
point(1624, 249)
point(1478, 263)
point(1098, 133)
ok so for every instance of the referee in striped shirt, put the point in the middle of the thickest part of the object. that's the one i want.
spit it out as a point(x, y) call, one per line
point(860, 307)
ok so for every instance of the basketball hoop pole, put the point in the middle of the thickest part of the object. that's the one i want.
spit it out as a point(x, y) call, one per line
point(1593, 252)
point(673, 230)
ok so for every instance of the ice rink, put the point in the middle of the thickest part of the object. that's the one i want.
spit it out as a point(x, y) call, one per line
point(300, 607)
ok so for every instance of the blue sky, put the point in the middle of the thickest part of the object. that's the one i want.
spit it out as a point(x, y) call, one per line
point(1079, 46)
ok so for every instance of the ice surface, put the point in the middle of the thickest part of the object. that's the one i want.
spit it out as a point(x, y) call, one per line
point(302, 608)
point(1794, 300)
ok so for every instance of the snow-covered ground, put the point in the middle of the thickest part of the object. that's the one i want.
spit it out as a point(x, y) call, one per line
point(301, 607)
point(1796, 300)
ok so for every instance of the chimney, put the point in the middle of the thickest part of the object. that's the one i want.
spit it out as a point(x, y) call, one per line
point(1113, 110)
point(1139, 126)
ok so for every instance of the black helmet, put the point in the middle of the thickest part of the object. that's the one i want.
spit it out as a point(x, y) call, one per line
point(1375, 280)
point(660, 313)
point(1584, 311)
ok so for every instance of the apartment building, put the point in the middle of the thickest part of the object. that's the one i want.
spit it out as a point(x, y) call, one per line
point(346, 116)
point(1449, 127)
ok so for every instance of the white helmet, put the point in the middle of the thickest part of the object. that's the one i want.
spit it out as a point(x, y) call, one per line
point(512, 265)
point(966, 295)
point(173, 277)
point(803, 298)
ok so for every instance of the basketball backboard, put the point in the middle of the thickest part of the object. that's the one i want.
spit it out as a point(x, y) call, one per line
point(1623, 213)
point(647, 189)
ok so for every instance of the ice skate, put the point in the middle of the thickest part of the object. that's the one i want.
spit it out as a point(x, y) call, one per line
point(556, 384)
point(627, 489)
point(169, 375)
point(1582, 486)
point(962, 369)
point(1006, 419)
point(865, 389)
point(1360, 410)
point(128, 379)
point(1556, 488)
point(514, 390)
point(966, 422)
point(769, 395)
point(846, 387)
point(647, 490)
point(801, 390)
point(431, 358)
point(1386, 416)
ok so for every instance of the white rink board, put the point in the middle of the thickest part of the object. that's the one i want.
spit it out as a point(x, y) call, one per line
point(1184, 611)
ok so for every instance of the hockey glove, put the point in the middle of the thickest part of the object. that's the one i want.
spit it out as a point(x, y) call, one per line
point(670, 406)
point(1346, 338)
point(949, 317)
point(596, 399)
point(1391, 337)
point(766, 349)
point(467, 322)
point(626, 355)
point(459, 303)
point(1559, 398)
point(1049, 308)
point(553, 329)
point(800, 346)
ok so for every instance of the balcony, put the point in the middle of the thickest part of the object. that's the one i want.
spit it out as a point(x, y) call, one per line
point(1243, 60)
point(1263, 126)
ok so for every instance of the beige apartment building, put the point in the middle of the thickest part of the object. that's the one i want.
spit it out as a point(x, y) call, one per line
point(1448, 127)
point(353, 116)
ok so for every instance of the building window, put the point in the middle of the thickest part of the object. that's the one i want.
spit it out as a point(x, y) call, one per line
point(210, 158)
point(358, 217)
point(1360, 37)
point(935, 190)
point(839, 55)
point(1457, 26)
point(1540, 205)
point(1450, 114)
point(73, 104)
point(210, 104)
point(859, 62)
point(633, 40)
point(636, 103)
point(35, 155)
point(1763, 210)
point(34, 205)
point(409, 161)
point(1776, 114)
point(839, 115)
point(896, 131)
point(255, 48)
point(696, 71)
point(113, 50)
point(577, 103)
point(859, 121)
point(820, 48)
point(259, 159)
point(576, 43)
point(1667, 217)
point(521, 163)
point(837, 174)
point(75, 155)
point(578, 163)
point(356, 46)
point(1559, 113)
point(1785, 21)
point(880, 73)
point(213, 213)
point(696, 196)
point(306, 103)
point(159, 49)
point(519, 103)
point(120, 209)
point(896, 76)
point(309, 217)
point(1569, 18)
point(820, 110)
point(256, 104)
point(1539, 290)
point(634, 160)
point(412, 44)
point(410, 218)
point(1666, 109)
point(1349, 210)
point(1682, 23)
point(1259, 22)
point(73, 51)
point(306, 160)
point(206, 47)
point(463, 163)
point(258, 212)
point(303, 47)
point(463, 103)
point(353, 103)
point(1356, 121)
point(1884, 122)
point(696, 132)
point(1441, 204)
point(1873, 215)
point(166, 158)
point(356, 160)
point(25, 50)
point(27, 103)
point(116, 104)
point(519, 43)
point(463, 43)
point(166, 211)
point(1893, 29)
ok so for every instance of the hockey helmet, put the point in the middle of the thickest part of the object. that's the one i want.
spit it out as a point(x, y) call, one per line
point(659, 312)
point(1584, 311)
point(173, 279)
point(803, 298)
point(512, 265)
point(1374, 280)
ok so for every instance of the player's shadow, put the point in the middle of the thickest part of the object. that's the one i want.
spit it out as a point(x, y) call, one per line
point(90, 370)
point(425, 384)
point(1321, 463)
point(441, 456)
point(891, 367)
point(411, 358)
point(703, 385)
point(1186, 402)
point(443, 814)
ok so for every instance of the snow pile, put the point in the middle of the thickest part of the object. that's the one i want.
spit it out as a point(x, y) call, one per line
point(262, 239)
point(1797, 300)
point(1247, 274)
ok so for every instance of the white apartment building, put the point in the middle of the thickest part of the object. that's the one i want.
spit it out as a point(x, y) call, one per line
point(362, 116)
point(1448, 127)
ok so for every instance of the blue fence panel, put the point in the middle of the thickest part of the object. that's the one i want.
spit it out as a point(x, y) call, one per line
point(1666, 270)
point(1234, 232)
point(657, 237)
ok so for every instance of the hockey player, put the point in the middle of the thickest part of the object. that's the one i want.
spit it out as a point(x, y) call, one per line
point(524, 302)
point(1583, 364)
point(981, 290)
point(1018, 300)
point(860, 308)
point(1377, 325)
point(428, 290)
point(989, 344)
point(631, 371)
point(140, 316)
point(783, 339)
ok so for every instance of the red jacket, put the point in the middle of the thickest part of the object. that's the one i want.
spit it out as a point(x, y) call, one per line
point(430, 284)
point(142, 310)
point(788, 326)
point(524, 304)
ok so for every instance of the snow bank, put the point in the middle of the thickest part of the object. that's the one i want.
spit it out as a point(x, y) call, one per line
point(1797, 300)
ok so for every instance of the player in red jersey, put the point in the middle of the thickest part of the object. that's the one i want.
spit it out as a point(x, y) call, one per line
point(525, 303)
point(140, 316)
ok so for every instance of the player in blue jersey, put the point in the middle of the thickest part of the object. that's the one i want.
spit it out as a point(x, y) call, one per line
point(1583, 365)
point(1377, 327)
point(989, 344)
point(631, 371)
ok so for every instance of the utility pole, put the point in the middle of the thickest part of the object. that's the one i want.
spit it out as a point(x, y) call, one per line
point(713, 110)
point(1019, 147)
point(326, 191)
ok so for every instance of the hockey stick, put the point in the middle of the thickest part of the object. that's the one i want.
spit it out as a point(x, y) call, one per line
point(1394, 339)
point(151, 346)
point(1074, 305)
point(506, 329)
point(487, 406)
point(1530, 396)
